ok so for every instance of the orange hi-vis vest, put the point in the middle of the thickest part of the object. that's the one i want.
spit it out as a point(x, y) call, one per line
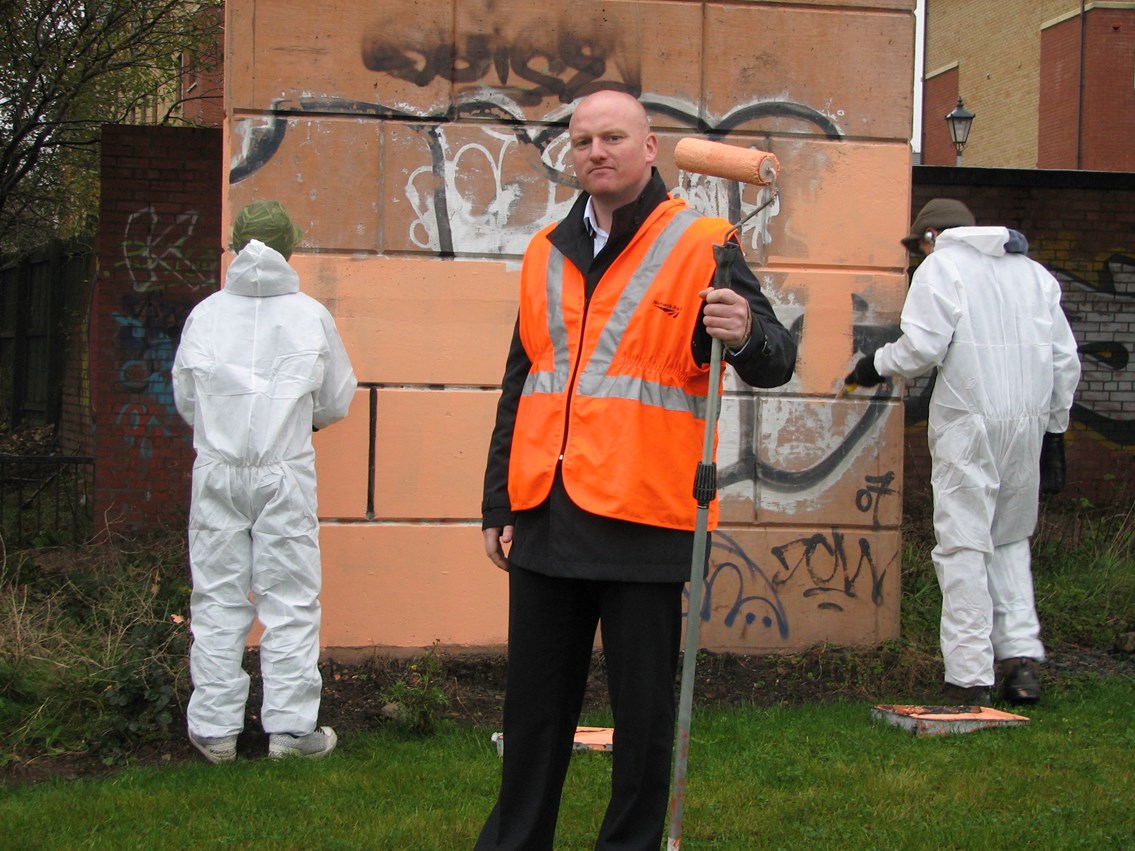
point(614, 389)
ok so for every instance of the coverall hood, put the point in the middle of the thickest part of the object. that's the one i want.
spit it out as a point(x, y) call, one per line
point(991, 241)
point(259, 272)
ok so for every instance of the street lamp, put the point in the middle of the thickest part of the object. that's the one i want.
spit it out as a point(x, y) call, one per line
point(959, 120)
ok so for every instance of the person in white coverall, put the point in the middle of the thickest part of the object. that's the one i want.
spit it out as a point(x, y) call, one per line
point(260, 366)
point(990, 320)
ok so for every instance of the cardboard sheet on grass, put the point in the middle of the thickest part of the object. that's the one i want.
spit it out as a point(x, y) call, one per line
point(943, 720)
point(586, 739)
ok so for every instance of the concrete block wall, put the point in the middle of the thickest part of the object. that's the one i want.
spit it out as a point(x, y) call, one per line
point(420, 146)
point(157, 255)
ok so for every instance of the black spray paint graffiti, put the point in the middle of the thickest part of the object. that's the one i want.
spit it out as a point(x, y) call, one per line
point(264, 136)
point(261, 141)
point(549, 60)
point(870, 496)
point(748, 596)
point(749, 468)
point(1093, 309)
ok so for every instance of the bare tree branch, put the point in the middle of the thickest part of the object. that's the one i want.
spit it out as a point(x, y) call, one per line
point(66, 68)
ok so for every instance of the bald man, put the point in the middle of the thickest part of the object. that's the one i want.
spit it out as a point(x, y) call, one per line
point(589, 481)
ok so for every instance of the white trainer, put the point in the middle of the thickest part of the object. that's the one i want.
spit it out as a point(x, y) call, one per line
point(314, 744)
point(216, 749)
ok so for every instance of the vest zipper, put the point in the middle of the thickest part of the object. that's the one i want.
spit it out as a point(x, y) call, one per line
point(574, 377)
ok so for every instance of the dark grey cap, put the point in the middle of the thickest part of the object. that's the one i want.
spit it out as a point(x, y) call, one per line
point(939, 214)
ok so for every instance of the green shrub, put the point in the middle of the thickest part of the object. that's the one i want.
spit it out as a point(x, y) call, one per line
point(415, 696)
point(93, 644)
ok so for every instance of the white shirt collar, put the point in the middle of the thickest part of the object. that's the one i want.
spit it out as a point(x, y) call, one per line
point(598, 235)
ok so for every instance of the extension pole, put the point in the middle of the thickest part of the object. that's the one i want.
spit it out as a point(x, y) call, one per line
point(705, 489)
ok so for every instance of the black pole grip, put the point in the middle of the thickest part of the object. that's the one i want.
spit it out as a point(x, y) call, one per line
point(705, 483)
point(724, 257)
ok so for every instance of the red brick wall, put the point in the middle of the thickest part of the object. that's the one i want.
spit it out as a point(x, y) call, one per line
point(1059, 95)
point(940, 96)
point(157, 253)
point(1081, 225)
point(203, 101)
point(1099, 135)
point(1108, 128)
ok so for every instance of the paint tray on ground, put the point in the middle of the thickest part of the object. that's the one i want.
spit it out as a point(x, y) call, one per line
point(943, 720)
point(586, 739)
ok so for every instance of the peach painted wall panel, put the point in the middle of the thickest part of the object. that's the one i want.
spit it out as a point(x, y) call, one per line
point(406, 586)
point(342, 452)
point(546, 55)
point(444, 57)
point(842, 204)
point(430, 452)
point(403, 587)
point(902, 5)
point(788, 55)
point(834, 314)
point(325, 171)
point(417, 321)
point(777, 589)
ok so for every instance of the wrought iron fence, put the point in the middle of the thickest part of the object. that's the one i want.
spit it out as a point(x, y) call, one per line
point(45, 500)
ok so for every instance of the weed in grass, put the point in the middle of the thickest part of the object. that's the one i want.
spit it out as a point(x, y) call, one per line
point(416, 696)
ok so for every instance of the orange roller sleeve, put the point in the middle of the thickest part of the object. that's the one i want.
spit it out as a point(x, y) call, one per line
point(717, 159)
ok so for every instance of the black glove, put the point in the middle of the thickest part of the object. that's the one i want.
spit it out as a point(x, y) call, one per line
point(1052, 466)
point(864, 373)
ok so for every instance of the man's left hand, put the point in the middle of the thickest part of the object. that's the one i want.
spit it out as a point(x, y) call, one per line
point(727, 317)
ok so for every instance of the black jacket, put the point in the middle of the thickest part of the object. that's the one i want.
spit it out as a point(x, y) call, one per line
point(560, 539)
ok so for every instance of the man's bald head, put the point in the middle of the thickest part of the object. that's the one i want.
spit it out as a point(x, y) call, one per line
point(611, 100)
point(612, 149)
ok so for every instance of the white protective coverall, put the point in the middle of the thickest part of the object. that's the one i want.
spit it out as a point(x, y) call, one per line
point(1007, 363)
point(259, 364)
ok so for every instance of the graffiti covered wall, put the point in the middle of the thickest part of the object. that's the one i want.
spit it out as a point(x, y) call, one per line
point(157, 257)
point(421, 145)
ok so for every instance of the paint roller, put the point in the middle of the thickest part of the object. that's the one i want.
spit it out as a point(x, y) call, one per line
point(746, 165)
point(716, 159)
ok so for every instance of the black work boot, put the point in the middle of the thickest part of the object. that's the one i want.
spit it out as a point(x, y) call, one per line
point(1019, 681)
point(972, 696)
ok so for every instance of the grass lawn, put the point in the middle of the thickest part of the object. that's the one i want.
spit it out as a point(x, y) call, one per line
point(815, 777)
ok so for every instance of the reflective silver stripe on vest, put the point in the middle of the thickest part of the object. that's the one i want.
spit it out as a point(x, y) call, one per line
point(556, 380)
point(594, 381)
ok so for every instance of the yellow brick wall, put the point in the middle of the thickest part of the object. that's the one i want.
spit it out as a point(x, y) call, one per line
point(996, 47)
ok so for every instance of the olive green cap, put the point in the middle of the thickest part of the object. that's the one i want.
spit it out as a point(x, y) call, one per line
point(268, 222)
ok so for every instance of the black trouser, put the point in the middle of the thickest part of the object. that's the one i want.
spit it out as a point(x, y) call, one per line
point(551, 636)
